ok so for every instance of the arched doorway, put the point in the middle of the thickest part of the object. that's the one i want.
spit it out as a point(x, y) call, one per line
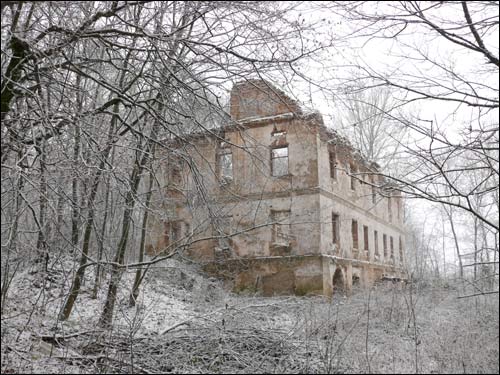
point(338, 281)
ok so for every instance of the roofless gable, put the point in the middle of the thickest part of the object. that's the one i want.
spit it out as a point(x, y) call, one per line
point(259, 98)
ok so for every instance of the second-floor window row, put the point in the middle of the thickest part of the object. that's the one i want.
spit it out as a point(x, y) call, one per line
point(279, 162)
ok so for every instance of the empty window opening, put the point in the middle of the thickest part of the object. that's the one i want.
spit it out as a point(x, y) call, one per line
point(174, 170)
point(172, 233)
point(374, 190)
point(225, 230)
point(398, 206)
point(338, 281)
point(365, 238)
point(384, 241)
point(281, 227)
point(389, 207)
point(392, 247)
point(354, 230)
point(375, 241)
point(279, 161)
point(176, 176)
point(355, 280)
point(335, 228)
point(278, 133)
point(400, 250)
point(225, 162)
point(353, 171)
point(332, 157)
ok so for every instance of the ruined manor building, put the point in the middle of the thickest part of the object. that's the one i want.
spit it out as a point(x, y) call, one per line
point(275, 201)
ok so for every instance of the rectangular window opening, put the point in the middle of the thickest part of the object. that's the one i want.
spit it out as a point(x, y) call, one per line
point(374, 190)
point(392, 247)
point(389, 208)
point(176, 175)
point(375, 241)
point(281, 227)
point(175, 166)
point(335, 228)
point(225, 230)
point(332, 157)
point(365, 238)
point(172, 233)
point(384, 241)
point(400, 250)
point(279, 161)
point(225, 163)
point(278, 133)
point(354, 231)
point(398, 205)
point(353, 171)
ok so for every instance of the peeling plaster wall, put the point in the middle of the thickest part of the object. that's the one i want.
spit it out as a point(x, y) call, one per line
point(253, 191)
point(252, 158)
point(362, 196)
point(252, 194)
point(256, 214)
point(348, 212)
point(203, 204)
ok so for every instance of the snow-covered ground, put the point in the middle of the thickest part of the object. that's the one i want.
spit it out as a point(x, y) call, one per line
point(184, 322)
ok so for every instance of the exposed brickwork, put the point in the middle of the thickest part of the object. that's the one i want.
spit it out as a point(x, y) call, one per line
point(256, 98)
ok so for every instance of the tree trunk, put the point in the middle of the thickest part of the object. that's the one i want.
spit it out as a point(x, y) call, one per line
point(475, 249)
point(74, 191)
point(77, 280)
point(100, 248)
point(457, 246)
point(14, 70)
point(134, 293)
point(12, 241)
point(41, 243)
point(116, 271)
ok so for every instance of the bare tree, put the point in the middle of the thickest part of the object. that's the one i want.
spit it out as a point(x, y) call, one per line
point(444, 54)
point(377, 136)
point(82, 85)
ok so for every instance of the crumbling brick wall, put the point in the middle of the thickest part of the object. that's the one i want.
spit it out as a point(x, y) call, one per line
point(258, 98)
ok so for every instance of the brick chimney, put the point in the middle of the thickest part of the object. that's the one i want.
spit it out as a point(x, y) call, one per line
point(258, 98)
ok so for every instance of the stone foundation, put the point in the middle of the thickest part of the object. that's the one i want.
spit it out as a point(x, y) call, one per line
point(299, 275)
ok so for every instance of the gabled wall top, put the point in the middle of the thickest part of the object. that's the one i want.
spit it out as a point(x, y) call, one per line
point(259, 98)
